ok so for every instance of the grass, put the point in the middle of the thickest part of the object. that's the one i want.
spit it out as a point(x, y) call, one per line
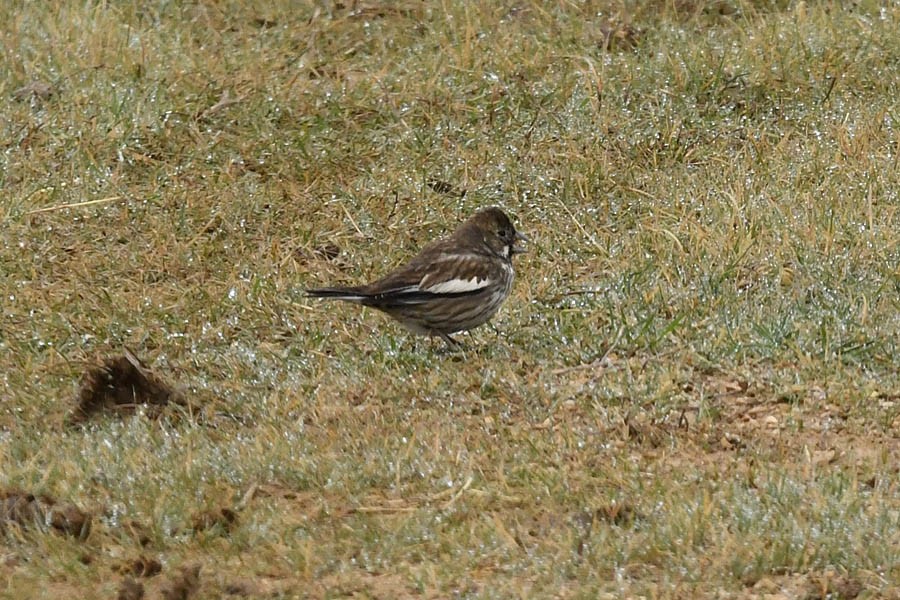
point(692, 392)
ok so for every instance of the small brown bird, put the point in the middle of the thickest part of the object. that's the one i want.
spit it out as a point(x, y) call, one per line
point(454, 284)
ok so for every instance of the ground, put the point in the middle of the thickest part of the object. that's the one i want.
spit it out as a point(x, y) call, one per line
point(692, 392)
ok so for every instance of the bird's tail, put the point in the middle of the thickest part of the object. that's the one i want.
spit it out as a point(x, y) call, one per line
point(348, 294)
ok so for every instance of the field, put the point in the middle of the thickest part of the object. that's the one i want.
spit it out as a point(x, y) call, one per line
point(692, 392)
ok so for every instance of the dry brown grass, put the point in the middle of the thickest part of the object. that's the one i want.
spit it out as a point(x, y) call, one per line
point(692, 392)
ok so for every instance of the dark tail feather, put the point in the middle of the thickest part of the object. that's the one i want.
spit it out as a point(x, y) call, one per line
point(339, 293)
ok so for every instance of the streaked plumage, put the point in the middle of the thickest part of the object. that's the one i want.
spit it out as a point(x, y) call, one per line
point(454, 284)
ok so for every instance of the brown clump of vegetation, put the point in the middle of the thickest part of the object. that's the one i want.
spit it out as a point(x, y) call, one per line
point(129, 589)
point(224, 517)
point(182, 585)
point(121, 384)
point(26, 510)
point(142, 566)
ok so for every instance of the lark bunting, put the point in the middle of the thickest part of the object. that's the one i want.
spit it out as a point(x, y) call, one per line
point(454, 284)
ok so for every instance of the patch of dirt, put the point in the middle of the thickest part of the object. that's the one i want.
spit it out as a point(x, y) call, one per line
point(120, 385)
point(265, 587)
point(360, 584)
point(826, 585)
point(26, 510)
point(716, 418)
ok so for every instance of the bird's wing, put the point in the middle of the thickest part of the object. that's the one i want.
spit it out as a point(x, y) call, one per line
point(442, 276)
point(458, 274)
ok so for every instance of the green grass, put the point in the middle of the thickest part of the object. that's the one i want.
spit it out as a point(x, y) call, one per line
point(705, 330)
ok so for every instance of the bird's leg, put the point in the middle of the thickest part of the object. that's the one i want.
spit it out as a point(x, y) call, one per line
point(450, 341)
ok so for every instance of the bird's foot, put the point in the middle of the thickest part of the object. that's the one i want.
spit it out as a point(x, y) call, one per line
point(452, 345)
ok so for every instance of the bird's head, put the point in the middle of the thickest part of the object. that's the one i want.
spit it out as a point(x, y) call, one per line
point(492, 227)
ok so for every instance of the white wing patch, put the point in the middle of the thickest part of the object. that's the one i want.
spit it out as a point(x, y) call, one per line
point(404, 290)
point(457, 286)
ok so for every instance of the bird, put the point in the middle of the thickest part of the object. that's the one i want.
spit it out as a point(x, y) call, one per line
point(453, 284)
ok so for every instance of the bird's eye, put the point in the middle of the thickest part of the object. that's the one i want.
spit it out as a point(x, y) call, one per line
point(505, 234)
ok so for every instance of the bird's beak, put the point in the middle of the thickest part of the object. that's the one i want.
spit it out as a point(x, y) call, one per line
point(520, 237)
